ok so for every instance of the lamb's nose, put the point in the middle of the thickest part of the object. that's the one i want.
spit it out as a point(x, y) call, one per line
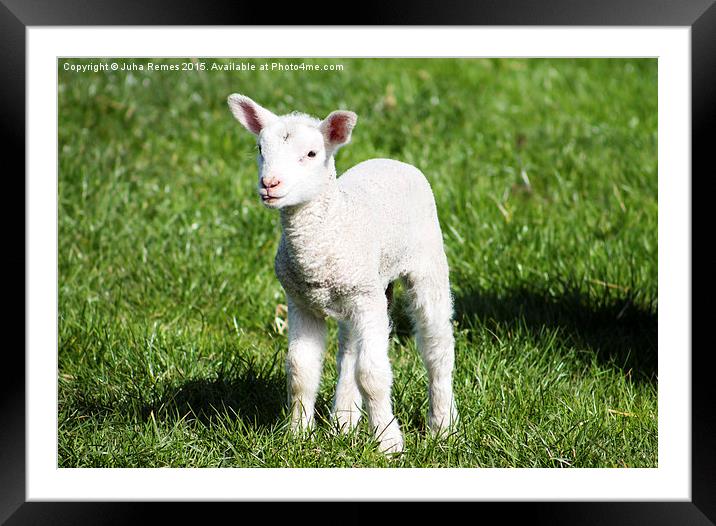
point(270, 182)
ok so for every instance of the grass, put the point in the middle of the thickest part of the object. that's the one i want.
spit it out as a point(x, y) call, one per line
point(171, 336)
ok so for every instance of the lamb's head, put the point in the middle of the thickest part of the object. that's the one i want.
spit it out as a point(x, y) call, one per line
point(295, 151)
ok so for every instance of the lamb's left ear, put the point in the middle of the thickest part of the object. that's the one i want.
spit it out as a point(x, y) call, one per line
point(337, 127)
point(253, 116)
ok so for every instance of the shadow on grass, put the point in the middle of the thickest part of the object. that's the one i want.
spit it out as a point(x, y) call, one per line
point(255, 399)
point(256, 396)
point(616, 328)
point(619, 331)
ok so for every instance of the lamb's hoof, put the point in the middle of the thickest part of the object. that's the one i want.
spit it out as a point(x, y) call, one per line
point(301, 428)
point(441, 425)
point(393, 449)
point(391, 440)
point(345, 421)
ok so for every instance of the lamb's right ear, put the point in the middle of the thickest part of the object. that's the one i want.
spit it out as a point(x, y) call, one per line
point(251, 115)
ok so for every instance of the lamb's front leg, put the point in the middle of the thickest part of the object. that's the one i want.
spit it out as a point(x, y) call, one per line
point(304, 361)
point(347, 402)
point(374, 375)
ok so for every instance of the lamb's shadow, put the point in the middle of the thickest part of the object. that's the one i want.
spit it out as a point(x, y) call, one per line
point(253, 396)
point(618, 331)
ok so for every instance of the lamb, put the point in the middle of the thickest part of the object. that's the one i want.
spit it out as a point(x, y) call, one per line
point(344, 242)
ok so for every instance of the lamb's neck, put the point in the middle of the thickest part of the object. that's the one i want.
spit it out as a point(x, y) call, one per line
point(306, 225)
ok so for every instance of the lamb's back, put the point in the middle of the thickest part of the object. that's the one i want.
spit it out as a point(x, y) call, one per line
point(393, 205)
point(388, 188)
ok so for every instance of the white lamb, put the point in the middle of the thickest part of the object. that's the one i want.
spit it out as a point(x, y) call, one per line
point(344, 242)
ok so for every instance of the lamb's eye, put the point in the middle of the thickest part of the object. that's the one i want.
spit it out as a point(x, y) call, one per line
point(259, 147)
point(311, 153)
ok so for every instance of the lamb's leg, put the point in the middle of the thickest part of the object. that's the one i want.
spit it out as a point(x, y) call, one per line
point(347, 403)
point(431, 305)
point(373, 373)
point(304, 361)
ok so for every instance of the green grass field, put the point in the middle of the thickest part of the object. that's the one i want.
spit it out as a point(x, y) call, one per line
point(171, 331)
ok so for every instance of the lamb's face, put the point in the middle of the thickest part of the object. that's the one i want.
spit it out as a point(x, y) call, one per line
point(292, 162)
point(295, 151)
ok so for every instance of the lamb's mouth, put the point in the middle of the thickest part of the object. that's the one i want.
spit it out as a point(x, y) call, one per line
point(271, 199)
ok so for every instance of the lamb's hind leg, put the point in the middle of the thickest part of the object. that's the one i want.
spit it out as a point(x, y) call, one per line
point(347, 402)
point(431, 306)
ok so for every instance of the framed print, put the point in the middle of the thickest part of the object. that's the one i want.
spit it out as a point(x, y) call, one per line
point(167, 351)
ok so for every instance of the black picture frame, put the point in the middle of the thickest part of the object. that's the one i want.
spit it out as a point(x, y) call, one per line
point(699, 15)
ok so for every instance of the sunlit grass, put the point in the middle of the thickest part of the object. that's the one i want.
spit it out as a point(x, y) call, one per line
point(544, 172)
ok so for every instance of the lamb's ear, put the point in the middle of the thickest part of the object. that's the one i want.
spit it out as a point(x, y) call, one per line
point(337, 127)
point(251, 115)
